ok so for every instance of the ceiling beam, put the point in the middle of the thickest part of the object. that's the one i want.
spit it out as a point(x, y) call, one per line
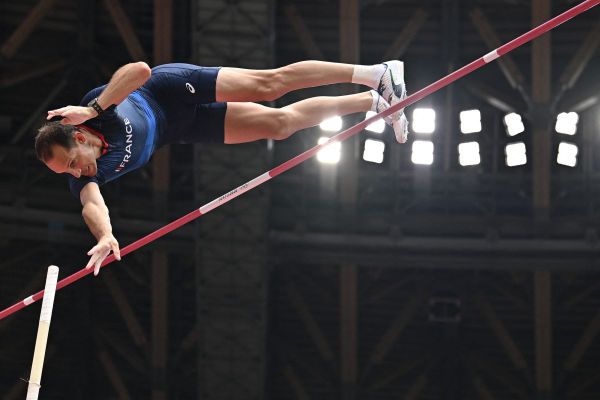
point(504, 378)
point(313, 329)
point(416, 388)
point(133, 325)
point(138, 363)
point(38, 115)
point(481, 388)
point(298, 387)
point(543, 332)
point(586, 339)
point(113, 375)
point(126, 30)
point(492, 96)
point(27, 25)
point(395, 329)
point(348, 330)
point(161, 182)
point(509, 68)
point(406, 36)
point(580, 60)
point(502, 334)
point(31, 72)
point(581, 99)
point(401, 369)
point(541, 89)
point(310, 46)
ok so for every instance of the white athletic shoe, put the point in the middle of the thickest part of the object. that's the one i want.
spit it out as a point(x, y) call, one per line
point(381, 105)
point(393, 89)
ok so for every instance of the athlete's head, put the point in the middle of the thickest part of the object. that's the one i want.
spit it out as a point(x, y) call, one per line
point(67, 149)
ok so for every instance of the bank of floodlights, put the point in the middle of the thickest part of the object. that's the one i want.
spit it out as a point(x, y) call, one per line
point(468, 154)
point(513, 124)
point(377, 126)
point(566, 123)
point(333, 124)
point(423, 120)
point(470, 121)
point(330, 154)
point(422, 152)
point(567, 154)
point(373, 151)
point(516, 154)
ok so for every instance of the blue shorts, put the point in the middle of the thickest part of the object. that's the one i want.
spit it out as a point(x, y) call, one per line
point(185, 95)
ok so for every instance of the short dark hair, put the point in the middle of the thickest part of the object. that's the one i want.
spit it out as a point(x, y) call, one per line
point(50, 134)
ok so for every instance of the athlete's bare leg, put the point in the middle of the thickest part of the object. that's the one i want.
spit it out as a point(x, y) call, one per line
point(236, 84)
point(246, 122)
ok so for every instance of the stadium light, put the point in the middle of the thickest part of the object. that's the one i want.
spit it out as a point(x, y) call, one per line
point(514, 124)
point(333, 124)
point(566, 123)
point(470, 121)
point(468, 154)
point(377, 126)
point(422, 152)
point(423, 120)
point(329, 154)
point(567, 154)
point(373, 151)
point(516, 154)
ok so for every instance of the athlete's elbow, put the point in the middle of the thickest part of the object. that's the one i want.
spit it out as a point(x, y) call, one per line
point(142, 71)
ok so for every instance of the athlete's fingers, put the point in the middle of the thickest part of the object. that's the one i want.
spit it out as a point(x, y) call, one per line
point(58, 110)
point(94, 256)
point(101, 258)
point(92, 261)
point(115, 249)
point(93, 250)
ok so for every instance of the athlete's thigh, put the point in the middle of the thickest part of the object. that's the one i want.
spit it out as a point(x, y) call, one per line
point(247, 122)
point(180, 82)
point(238, 84)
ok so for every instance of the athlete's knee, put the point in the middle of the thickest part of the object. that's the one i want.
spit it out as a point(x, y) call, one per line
point(272, 84)
point(282, 125)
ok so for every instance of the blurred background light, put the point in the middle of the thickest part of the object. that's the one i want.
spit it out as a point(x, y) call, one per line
point(516, 154)
point(333, 124)
point(567, 154)
point(468, 153)
point(470, 121)
point(423, 120)
point(374, 151)
point(566, 123)
point(514, 124)
point(377, 126)
point(331, 153)
point(422, 152)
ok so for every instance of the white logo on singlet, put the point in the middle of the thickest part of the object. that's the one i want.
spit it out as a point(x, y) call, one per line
point(190, 88)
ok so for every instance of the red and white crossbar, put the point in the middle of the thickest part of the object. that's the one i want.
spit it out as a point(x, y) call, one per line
point(467, 69)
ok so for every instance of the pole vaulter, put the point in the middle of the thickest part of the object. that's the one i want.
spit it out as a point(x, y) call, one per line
point(445, 81)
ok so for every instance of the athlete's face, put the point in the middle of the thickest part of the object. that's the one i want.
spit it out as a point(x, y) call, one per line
point(78, 161)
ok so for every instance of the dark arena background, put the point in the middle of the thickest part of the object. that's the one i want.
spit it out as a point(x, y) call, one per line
point(464, 264)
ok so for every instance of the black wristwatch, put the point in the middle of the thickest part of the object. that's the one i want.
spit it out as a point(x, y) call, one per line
point(94, 104)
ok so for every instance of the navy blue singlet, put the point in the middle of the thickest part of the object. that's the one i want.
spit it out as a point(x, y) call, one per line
point(176, 105)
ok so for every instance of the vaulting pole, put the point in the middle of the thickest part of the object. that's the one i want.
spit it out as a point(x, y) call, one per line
point(35, 378)
point(445, 81)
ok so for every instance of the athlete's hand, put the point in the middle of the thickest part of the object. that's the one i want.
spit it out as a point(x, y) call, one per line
point(100, 251)
point(73, 115)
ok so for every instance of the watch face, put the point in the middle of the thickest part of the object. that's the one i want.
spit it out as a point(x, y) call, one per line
point(94, 104)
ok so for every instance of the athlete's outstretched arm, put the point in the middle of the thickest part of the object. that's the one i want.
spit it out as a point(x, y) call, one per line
point(95, 215)
point(124, 81)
